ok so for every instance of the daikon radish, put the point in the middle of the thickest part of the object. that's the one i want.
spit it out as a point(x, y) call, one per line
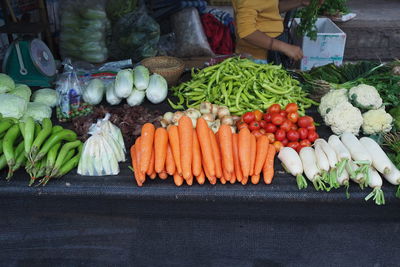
point(394, 178)
point(375, 182)
point(328, 150)
point(311, 170)
point(342, 154)
point(292, 164)
point(356, 176)
point(324, 166)
point(380, 160)
point(343, 180)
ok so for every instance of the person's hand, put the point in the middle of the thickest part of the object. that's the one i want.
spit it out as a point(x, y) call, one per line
point(292, 51)
point(307, 2)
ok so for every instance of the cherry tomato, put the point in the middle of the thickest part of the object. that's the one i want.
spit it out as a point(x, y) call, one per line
point(283, 113)
point(293, 116)
point(270, 128)
point(291, 107)
point(254, 126)
point(249, 117)
point(294, 127)
point(278, 145)
point(311, 127)
point(299, 148)
point(277, 119)
point(305, 143)
point(305, 121)
point(267, 117)
point(262, 130)
point(280, 134)
point(263, 124)
point(241, 124)
point(312, 136)
point(256, 133)
point(275, 108)
point(292, 135)
point(303, 132)
point(258, 115)
point(286, 125)
point(294, 145)
point(271, 137)
point(285, 142)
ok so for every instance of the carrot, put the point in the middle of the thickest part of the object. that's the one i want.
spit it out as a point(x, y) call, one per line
point(205, 145)
point(163, 175)
point(223, 180)
point(190, 180)
point(201, 178)
point(178, 179)
point(236, 161)
point(244, 149)
point(253, 151)
point(216, 154)
point(262, 150)
point(226, 174)
point(233, 178)
point(135, 166)
point(210, 178)
point(147, 145)
point(245, 180)
point(185, 129)
point(160, 148)
point(196, 163)
point(225, 137)
point(170, 162)
point(153, 175)
point(150, 170)
point(173, 136)
point(268, 169)
point(138, 145)
point(255, 178)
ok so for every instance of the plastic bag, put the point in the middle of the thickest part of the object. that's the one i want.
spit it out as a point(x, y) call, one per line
point(190, 37)
point(84, 28)
point(135, 35)
point(69, 89)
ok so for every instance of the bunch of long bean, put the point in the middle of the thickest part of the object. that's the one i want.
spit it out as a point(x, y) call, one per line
point(241, 85)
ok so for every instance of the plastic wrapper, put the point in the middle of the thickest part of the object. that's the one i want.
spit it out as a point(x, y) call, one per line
point(135, 35)
point(84, 27)
point(69, 88)
point(190, 38)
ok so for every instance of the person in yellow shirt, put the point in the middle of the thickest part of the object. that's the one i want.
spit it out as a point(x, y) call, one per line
point(259, 25)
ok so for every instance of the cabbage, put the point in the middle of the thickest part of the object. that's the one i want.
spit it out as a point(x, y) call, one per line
point(157, 90)
point(38, 111)
point(12, 106)
point(111, 97)
point(46, 96)
point(93, 93)
point(124, 83)
point(136, 98)
point(23, 91)
point(6, 83)
point(141, 77)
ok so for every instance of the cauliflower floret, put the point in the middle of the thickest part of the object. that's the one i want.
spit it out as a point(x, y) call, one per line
point(344, 117)
point(377, 121)
point(365, 97)
point(331, 99)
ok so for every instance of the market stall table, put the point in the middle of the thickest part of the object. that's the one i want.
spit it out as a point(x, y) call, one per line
point(97, 221)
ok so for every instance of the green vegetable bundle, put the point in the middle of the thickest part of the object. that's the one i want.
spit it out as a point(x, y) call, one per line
point(45, 151)
point(241, 85)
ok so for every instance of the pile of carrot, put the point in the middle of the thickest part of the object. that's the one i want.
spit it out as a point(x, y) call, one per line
point(187, 154)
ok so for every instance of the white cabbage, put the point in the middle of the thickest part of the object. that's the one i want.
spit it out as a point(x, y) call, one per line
point(141, 77)
point(12, 106)
point(136, 98)
point(111, 97)
point(94, 91)
point(23, 91)
point(46, 96)
point(157, 90)
point(38, 111)
point(6, 83)
point(124, 83)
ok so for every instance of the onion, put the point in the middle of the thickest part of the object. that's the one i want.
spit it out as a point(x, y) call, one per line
point(223, 111)
point(177, 116)
point(168, 116)
point(227, 120)
point(205, 108)
point(214, 109)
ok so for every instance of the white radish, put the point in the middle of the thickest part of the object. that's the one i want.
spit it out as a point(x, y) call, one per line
point(328, 150)
point(292, 164)
point(324, 166)
point(393, 177)
point(311, 170)
point(375, 182)
point(355, 175)
point(343, 180)
point(342, 154)
point(357, 151)
point(380, 160)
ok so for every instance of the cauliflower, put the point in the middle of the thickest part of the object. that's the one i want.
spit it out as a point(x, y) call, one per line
point(365, 97)
point(331, 99)
point(344, 117)
point(377, 121)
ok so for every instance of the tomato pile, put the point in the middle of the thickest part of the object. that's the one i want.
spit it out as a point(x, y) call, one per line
point(283, 127)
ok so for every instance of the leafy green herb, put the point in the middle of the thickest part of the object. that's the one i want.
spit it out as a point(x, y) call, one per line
point(308, 18)
point(333, 8)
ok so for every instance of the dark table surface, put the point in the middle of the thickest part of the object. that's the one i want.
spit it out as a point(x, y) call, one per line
point(109, 221)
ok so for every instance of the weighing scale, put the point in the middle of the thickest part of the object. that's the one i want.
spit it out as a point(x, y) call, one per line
point(30, 61)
